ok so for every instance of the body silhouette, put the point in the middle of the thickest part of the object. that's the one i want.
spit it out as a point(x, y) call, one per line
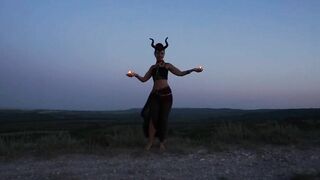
point(158, 106)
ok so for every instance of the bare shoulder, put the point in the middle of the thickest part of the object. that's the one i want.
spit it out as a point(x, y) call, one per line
point(153, 66)
point(168, 65)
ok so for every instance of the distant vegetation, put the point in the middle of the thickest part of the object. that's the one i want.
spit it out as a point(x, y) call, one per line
point(47, 131)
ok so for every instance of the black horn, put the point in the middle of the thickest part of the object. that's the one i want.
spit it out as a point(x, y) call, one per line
point(152, 43)
point(166, 43)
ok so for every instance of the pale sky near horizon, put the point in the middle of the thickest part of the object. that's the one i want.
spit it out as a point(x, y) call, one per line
point(74, 54)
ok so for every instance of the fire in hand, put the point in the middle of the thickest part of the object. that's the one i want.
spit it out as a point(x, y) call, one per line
point(200, 68)
point(130, 73)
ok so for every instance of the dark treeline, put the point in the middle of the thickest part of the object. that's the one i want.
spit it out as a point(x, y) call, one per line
point(177, 115)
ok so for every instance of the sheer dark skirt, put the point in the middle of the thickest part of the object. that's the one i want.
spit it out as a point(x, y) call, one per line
point(157, 109)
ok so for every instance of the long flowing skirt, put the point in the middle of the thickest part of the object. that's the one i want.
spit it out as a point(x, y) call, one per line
point(157, 109)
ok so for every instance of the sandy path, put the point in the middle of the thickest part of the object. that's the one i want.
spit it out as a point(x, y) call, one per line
point(263, 163)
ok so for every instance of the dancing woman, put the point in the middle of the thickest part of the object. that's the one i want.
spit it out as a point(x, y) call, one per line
point(158, 106)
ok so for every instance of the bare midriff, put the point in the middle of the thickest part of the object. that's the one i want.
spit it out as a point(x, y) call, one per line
point(160, 84)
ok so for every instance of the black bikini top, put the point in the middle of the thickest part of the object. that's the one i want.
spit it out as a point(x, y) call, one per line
point(159, 72)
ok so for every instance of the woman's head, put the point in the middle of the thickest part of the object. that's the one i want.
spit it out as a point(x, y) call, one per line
point(159, 54)
point(159, 49)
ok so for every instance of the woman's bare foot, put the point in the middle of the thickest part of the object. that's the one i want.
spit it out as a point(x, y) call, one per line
point(162, 147)
point(148, 146)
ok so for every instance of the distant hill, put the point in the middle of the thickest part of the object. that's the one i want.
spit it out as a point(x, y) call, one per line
point(177, 115)
point(193, 114)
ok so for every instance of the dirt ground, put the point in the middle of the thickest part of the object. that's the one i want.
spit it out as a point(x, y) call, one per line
point(237, 163)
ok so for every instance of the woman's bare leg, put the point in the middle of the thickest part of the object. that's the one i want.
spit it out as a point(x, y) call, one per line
point(152, 132)
point(162, 146)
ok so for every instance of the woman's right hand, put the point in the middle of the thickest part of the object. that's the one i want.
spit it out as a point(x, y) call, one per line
point(131, 74)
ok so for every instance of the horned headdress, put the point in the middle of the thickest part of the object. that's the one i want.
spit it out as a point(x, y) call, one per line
point(159, 46)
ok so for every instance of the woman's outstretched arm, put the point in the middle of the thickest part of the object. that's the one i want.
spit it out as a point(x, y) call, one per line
point(177, 72)
point(146, 77)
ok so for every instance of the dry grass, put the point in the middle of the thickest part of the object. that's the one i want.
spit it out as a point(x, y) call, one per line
point(214, 136)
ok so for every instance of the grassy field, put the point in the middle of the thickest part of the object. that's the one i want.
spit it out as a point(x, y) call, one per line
point(44, 132)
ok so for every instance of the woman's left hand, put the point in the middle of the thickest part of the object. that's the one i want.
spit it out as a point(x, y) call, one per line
point(198, 69)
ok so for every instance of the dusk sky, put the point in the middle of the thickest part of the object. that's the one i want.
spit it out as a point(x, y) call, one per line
point(74, 54)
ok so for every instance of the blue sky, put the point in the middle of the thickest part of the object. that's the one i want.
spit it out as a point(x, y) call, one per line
point(74, 54)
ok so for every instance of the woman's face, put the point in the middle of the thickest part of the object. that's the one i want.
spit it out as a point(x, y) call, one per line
point(159, 54)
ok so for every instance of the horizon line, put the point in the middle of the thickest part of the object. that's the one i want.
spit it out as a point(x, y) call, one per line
point(130, 109)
